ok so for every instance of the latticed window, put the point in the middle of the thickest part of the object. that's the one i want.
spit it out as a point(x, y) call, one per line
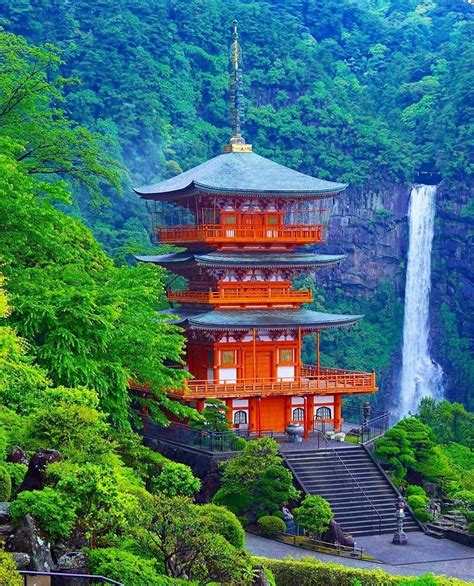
point(323, 413)
point(228, 357)
point(298, 414)
point(240, 417)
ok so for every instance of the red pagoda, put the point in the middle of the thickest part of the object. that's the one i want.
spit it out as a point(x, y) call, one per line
point(244, 221)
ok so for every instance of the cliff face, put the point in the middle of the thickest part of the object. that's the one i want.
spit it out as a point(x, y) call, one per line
point(371, 226)
point(452, 297)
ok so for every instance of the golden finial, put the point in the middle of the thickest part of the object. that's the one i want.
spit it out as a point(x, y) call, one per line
point(237, 142)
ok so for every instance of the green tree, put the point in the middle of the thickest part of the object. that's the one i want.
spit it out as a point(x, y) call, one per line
point(395, 450)
point(314, 514)
point(176, 480)
point(274, 489)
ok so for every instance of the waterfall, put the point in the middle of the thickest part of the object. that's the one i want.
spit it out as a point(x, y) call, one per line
point(421, 376)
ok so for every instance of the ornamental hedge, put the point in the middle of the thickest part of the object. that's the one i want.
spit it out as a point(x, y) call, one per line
point(310, 572)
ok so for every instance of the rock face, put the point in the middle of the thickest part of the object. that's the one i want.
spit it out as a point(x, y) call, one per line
point(17, 456)
point(370, 226)
point(334, 534)
point(35, 478)
point(28, 539)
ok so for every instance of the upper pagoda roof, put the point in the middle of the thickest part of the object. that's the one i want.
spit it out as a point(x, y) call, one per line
point(262, 319)
point(246, 259)
point(241, 173)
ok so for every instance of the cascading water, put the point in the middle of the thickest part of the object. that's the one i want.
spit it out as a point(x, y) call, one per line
point(421, 376)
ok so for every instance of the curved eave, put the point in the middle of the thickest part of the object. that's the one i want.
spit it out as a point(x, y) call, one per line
point(166, 259)
point(322, 262)
point(195, 187)
point(270, 320)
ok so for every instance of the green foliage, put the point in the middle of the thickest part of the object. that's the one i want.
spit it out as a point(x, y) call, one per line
point(9, 575)
point(274, 488)
point(180, 536)
point(5, 484)
point(235, 499)
point(220, 520)
point(176, 480)
point(54, 512)
point(214, 416)
point(450, 422)
point(270, 525)
point(413, 489)
point(314, 514)
point(255, 482)
point(17, 474)
point(311, 572)
point(118, 564)
point(395, 450)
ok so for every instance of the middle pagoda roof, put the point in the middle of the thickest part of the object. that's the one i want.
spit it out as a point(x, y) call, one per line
point(246, 259)
point(241, 173)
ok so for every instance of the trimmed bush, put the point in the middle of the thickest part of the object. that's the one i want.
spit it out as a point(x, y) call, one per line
point(9, 575)
point(221, 521)
point(123, 566)
point(54, 513)
point(423, 515)
point(314, 514)
point(236, 500)
point(414, 489)
point(417, 501)
point(176, 480)
point(310, 572)
point(270, 525)
point(5, 484)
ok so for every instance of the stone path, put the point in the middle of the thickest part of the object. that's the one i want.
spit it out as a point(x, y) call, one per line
point(423, 554)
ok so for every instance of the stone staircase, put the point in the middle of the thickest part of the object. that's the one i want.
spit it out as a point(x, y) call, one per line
point(360, 495)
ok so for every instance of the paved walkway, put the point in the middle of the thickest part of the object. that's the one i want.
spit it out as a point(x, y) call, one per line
point(423, 554)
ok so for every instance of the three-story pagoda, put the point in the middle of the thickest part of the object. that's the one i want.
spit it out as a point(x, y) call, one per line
point(244, 221)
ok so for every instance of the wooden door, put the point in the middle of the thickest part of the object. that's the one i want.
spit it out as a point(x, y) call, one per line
point(263, 360)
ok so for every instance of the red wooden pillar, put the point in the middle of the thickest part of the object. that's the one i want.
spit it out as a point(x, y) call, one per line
point(228, 404)
point(337, 412)
point(200, 404)
point(309, 414)
point(259, 415)
point(305, 418)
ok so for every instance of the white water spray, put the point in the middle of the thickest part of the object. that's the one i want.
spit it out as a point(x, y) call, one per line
point(421, 376)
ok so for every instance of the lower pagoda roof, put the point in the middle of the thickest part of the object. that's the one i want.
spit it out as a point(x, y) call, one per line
point(247, 259)
point(262, 319)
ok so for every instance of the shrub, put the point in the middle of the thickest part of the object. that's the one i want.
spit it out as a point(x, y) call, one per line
point(54, 513)
point(176, 480)
point(310, 572)
point(3, 443)
point(270, 525)
point(423, 515)
point(418, 501)
point(5, 484)
point(414, 489)
point(235, 499)
point(314, 514)
point(466, 497)
point(9, 575)
point(220, 520)
point(17, 474)
point(471, 527)
point(123, 566)
point(274, 488)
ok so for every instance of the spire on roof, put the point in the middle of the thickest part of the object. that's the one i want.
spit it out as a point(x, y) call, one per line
point(237, 141)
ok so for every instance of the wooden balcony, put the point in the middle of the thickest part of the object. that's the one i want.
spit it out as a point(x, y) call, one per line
point(223, 234)
point(243, 297)
point(323, 381)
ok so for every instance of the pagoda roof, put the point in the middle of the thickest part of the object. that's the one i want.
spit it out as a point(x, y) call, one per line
point(247, 259)
point(241, 174)
point(262, 319)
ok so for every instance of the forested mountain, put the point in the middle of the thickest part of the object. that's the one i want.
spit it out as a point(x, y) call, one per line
point(371, 92)
point(345, 90)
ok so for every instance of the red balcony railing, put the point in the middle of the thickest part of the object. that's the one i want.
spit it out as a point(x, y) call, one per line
point(217, 234)
point(242, 297)
point(312, 380)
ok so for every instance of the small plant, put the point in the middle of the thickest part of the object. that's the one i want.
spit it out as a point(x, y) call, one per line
point(9, 575)
point(270, 525)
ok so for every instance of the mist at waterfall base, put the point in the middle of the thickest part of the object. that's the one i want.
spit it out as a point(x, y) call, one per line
point(421, 376)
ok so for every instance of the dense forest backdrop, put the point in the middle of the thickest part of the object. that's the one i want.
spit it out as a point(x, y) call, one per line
point(370, 92)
